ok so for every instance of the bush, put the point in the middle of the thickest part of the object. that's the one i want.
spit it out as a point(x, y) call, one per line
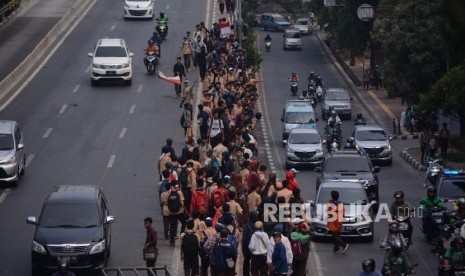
point(455, 155)
point(252, 55)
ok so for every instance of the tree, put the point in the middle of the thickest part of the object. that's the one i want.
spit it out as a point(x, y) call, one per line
point(454, 30)
point(447, 95)
point(413, 50)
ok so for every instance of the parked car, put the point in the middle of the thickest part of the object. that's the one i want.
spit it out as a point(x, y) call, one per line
point(339, 100)
point(296, 113)
point(111, 60)
point(12, 154)
point(356, 224)
point(138, 9)
point(304, 147)
point(292, 39)
point(451, 185)
point(75, 225)
point(373, 140)
point(274, 21)
point(304, 25)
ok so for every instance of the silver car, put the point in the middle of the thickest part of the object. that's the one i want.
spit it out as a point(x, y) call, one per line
point(339, 100)
point(304, 25)
point(12, 155)
point(357, 223)
point(372, 139)
point(304, 147)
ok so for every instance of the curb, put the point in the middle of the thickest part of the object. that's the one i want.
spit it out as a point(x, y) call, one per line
point(412, 161)
point(405, 137)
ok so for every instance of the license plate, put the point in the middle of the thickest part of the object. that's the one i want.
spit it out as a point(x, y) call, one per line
point(347, 228)
point(68, 258)
point(111, 73)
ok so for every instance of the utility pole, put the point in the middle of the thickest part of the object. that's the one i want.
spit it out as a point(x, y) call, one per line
point(239, 22)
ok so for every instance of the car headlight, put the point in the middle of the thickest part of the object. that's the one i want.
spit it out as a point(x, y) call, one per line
point(124, 65)
point(98, 247)
point(38, 248)
point(289, 151)
point(319, 150)
point(8, 161)
point(95, 65)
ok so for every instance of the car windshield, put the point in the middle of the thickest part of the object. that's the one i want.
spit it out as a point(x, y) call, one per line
point(347, 164)
point(304, 138)
point(346, 195)
point(452, 188)
point(110, 51)
point(279, 19)
point(302, 22)
point(293, 35)
point(6, 142)
point(70, 215)
point(371, 135)
point(300, 117)
point(336, 95)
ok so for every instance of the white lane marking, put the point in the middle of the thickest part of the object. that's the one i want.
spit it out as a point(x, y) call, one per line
point(63, 108)
point(76, 88)
point(139, 89)
point(47, 133)
point(113, 27)
point(167, 7)
point(29, 159)
point(123, 133)
point(111, 161)
point(87, 69)
point(4, 194)
point(131, 110)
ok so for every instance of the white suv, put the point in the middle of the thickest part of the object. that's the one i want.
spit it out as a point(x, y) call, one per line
point(138, 9)
point(111, 59)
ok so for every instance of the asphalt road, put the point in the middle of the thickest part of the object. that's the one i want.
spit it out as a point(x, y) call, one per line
point(276, 68)
point(111, 136)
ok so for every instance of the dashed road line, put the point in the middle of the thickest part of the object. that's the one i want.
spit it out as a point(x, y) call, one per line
point(113, 27)
point(4, 194)
point(123, 133)
point(111, 161)
point(63, 109)
point(131, 110)
point(139, 89)
point(87, 70)
point(167, 7)
point(29, 159)
point(76, 88)
point(47, 133)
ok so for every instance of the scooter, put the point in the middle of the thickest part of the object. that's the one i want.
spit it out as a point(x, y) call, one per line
point(434, 169)
point(403, 227)
point(268, 45)
point(151, 62)
point(319, 94)
point(162, 30)
point(437, 221)
point(294, 88)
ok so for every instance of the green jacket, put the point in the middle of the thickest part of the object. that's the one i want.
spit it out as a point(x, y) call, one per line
point(427, 203)
point(162, 20)
point(304, 238)
point(397, 264)
point(456, 257)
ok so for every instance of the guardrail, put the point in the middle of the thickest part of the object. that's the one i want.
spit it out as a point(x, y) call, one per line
point(119, 271)
point(9, 8)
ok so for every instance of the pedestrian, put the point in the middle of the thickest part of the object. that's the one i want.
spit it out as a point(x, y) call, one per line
point(423, 139)
point(209, 234)
point(186, 49)
point(366, 79)
point(300, 244)
point(249, 229)
point(203, 119)
point(290, 177)
point(179, 71)
point(279, 263)
point(285, 192)
point(173, 204)
point(186, 121)
point(234, 207)
point(202, 62)
point(200, 199)
point(258, 247)
point(150, 247)
point(221, 4)
point(284, 240)
point(253, 198)
point(163, 160)
point(169, 146)
point(216, 130)
point(190, 248)
point(164, 192)
point(336, 213)
point(223, 255)
point(444, 137)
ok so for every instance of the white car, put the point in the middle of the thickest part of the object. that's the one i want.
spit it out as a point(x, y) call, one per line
point(111, 60)
point(304, 25)
point(304, 147)
point(138, 9)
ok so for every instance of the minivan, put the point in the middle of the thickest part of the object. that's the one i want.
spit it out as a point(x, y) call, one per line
point(74, 225)
point(138, 9)
point(12, 155)
point(292, 39)
point(296, 113)
point(274, 21)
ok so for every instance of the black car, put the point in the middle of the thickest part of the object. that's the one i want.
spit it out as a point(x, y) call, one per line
point(74, 225)
point(451, 185)
point(350, 165)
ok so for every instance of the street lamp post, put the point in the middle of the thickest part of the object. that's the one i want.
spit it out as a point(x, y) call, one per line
point(239, 22)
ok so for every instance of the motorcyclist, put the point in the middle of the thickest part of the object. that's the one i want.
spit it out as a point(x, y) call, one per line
point(432, 155)
point(427, 203)
point(311, 77)
point(294, 77)
point(460, 212)
point(156, 37)
point(268, 38)
point(359, 120)
point(63, 269)
point(318, 81)
point(393, 235)
point(399, 207)
point(368, 268)
point(162, 20)
point(350, 143)
point(334, 117)
point(331, 134)
point(151, 47)
point(455, 256)
point(396, 261)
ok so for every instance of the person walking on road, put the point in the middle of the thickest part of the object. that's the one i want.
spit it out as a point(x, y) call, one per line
point(258, 247)
point(279, 264)
point(444, 136)
point(336, 211)
point(246, 236)
point(186, 49)
point(173, 204)
point(150, 246)
point(190, 250)
point(223, 256)
point(179, 71)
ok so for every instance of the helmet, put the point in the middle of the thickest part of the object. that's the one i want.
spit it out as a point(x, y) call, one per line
point(368, 264)
point(461, 200)
point(333, 112)
point(432, 189)
point(311, 73)
point(151, 42)
point(162, 14)
point(293, 73)
point(350, 140)
point(63, 264)
point(446, 231)
point(399, 194)
point(458, 240)
point(155, 34)
point(359, 116)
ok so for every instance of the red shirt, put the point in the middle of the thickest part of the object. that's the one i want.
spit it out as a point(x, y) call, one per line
point(151, 238)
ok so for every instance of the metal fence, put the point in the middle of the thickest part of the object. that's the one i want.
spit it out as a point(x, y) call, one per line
point(8, 8)
point(135, 271)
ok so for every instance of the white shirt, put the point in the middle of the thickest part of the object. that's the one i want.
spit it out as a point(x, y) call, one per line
point(259, 243)
point(216, 127)
point(287, 245)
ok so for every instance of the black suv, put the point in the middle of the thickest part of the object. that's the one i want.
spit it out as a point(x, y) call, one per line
point(350, 165)
point(74, 225)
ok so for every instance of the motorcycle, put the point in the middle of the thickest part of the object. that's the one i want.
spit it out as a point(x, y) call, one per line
point(360, 122)
point(294, 88)
point(434, 170)
point(319, 94)
point(151, 62)
point(267, 45)
point(438, 216)
point(403, 227)
point(162, 30)
point(309, 97)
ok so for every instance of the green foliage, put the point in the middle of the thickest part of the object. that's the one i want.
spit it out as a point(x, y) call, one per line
point(454, 29)
point(455, 155)
point(413, 52)
point(253, 57)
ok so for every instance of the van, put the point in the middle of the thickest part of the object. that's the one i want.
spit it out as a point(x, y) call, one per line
point(12, 154)
point(273, 21)
point(297, 113)
point(292, 39)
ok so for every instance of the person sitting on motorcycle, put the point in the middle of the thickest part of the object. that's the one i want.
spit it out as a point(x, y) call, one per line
point(63, 269)
point(334, 117)
point(396, 261)
point(268, 38)
point(359, 120)
point(400, 208)
point(311, 77)
point(350, 143)
point(460, 212)
point(431, 156)
point(294, 77)
point(331, 134)
point(162, 20)
point(427, 203)
point(318, 81)
point(392, 235)
point(455, 256)
point(369, 268)
point(445, 240)
point(152, 47)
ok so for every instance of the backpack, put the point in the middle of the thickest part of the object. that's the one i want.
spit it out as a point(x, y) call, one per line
point(182, 121)
point(296, 246)
point(203, 252)
point(214, 164)
point(174, 202)
point(185, 151)
point(190, 245)
point(201, 202)
point(183, 176)
point(217, 198)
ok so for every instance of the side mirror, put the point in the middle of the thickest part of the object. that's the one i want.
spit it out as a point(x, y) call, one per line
point(374, 202)
point(390, 138)
point(376, 169)
point(31, 220)
point(282, 119)
point(131, 54)
point(90, 54)
point(311, 203)
point(324, 142)
point(110, 219)
point(20, 146)
point(317, 169)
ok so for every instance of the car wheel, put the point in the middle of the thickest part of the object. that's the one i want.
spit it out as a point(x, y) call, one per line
point(349, 116)
point(389, 162)
point(93, 82)
point(23, 170)
point(129, 82)
point(288, 167)
point(36, 272)
point(370, 238)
